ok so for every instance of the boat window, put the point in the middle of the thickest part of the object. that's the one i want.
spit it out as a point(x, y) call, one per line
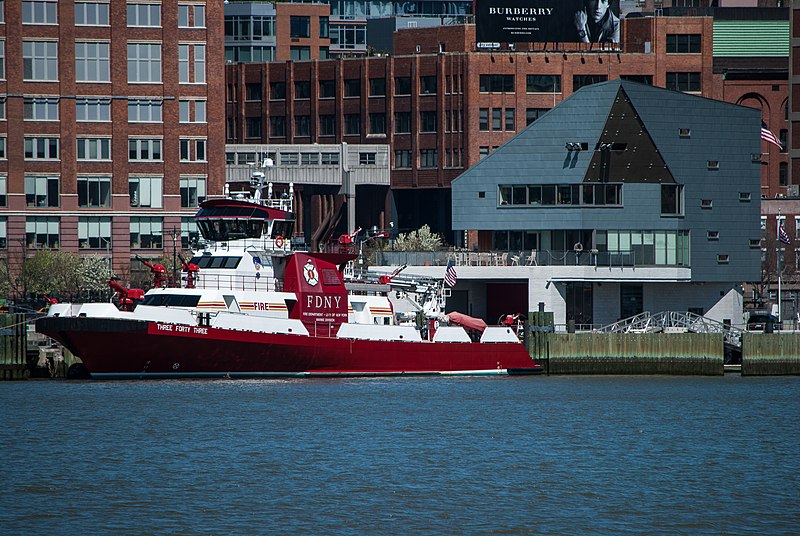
point(282, 228)
point(208, 261)
point(171, 300)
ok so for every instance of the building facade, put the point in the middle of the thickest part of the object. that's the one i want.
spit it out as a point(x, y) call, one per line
point(442, 107)
point(109, 111)
point(625, 198)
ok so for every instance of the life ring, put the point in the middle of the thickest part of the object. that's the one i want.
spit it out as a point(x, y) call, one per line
point(279, 241)
point(578, 247)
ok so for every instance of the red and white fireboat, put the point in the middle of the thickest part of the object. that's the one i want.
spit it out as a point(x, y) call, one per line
point(249, 307)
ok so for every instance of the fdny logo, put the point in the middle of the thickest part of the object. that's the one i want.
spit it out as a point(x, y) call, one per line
point(310, 273)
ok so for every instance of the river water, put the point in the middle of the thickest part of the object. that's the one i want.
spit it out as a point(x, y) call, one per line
point(535, 455)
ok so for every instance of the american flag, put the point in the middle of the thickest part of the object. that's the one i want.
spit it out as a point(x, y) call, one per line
point(783, 236)
point(450, 276)
point(768, 136)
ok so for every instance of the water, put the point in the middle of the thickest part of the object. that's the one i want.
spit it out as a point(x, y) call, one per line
point(542, 455)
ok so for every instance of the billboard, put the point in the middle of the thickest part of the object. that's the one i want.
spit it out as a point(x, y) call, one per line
point(547, 21)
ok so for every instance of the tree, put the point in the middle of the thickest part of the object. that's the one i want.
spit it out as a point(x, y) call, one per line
point(420, 240)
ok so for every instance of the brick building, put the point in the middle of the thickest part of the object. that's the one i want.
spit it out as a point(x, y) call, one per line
point(106, 133)
point(442, 107)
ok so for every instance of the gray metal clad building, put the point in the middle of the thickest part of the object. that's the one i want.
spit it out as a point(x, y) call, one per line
point(637, 177)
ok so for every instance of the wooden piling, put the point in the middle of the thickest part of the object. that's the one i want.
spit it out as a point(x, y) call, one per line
point(775, 354)
point(13, 347)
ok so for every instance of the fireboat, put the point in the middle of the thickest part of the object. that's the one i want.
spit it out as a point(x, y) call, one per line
point(250, 306)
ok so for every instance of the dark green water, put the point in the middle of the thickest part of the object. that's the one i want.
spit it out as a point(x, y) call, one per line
point(541, 455)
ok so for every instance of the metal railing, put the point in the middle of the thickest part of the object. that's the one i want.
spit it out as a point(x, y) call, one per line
point(659, 322)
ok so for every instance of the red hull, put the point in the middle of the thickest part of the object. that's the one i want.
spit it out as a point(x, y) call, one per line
point(126, 348)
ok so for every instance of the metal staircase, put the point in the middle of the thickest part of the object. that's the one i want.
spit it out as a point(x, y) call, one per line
point(667, 320)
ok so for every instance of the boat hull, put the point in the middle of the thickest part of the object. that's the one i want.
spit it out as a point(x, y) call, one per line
point(126, 348)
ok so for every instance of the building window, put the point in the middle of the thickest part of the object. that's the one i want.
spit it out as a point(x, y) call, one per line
point(193, 191)
point(402, 85)
point(92, 62)
point(532, 114)
point(377, 87)
point(192, 110)
point(191, 16)
point(510, 119)
point(2, 10)
point(783, 174)
point(289, 159)
point(402, 122)
point(144, 111)
point(683, 44)
point(41, 232)
point(324, 27)
point(582, 80)
point(41, 191)
point(94, 192)
point(782, 135)
point(252, 92)
point(40, 108)
point(327, 89)
point(299, 53)
point(91, 13)
point(309, 159)
point(427, 85)
point(646, 79)
point(543, 83)
point(4, 191)
point(683, 82)
point(377, 123)
point(324, 53)
point(94, 148)
point(402, 159)
point(3, 223)
point(352, 88)
point(483, 152)
point(40, 61)
point(299, 26)
point(427, 121)
point(41, 148)
point(144, 62)
point(302, 90)
point(496, 83)
point(427, 158)
point(352, 124)
point(39, 12)
point(2, 147)
point(146, 233)
point(671, 199)
point(2, 59)
point(366, 159)
point(277, 126)
point(193, 56)
point(348, 36)
point(145, 191)
point(190, 234)
point(497, 118)
point(94, 233)
point(483, 119)
point(144, 14)
point(327, 125)
point(144, 149)
point(88, 109)
point(302, 126)
point(277, 91)
point(193, 149)
point(330, 159)
point(249, 27)
point(252, 127)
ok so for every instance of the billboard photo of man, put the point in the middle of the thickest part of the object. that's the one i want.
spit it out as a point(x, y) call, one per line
point(597, 23)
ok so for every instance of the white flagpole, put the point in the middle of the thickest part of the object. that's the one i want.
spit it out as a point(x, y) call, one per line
point(780, 245)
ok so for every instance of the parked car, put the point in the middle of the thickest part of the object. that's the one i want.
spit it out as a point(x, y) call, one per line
point(759, 321)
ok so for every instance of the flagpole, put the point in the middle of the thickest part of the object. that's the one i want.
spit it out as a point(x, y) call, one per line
point(779, 265)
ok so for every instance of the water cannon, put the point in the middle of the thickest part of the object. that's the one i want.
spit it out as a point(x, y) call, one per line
point(157, 270)
point(191, 270)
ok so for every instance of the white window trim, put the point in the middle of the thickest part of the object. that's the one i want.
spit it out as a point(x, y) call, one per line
point(205, 16)
point(42, 23)
point(106, 2)
point(93, 98)
point(161, 60)
point(98, 41)
point(160, 138)
point(38, 136)
point(58, 54)
point(110, 149)
point(146, 2)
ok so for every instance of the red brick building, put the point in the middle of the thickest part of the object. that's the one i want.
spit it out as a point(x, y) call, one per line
point(109, 111)
point(441, 108)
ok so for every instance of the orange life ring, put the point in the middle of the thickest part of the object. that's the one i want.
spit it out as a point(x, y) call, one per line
point(279, 241)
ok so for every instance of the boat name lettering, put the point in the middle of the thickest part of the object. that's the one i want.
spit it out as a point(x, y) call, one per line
point(319, 302)
point(182, 329)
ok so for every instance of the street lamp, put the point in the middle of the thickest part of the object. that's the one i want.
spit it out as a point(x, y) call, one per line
point(174, 254)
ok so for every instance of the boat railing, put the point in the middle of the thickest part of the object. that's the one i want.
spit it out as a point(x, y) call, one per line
point(239, 282)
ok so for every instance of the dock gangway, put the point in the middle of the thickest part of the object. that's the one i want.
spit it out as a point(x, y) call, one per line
point(665, 320)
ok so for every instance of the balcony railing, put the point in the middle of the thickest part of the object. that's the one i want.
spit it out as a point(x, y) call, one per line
point(516, 258)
